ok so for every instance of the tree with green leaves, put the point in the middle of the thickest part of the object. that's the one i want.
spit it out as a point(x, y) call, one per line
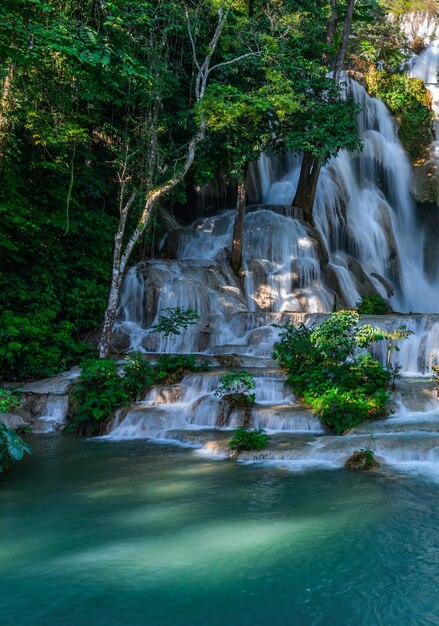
point(328, 121)
point(175, 320)
point(203, 51)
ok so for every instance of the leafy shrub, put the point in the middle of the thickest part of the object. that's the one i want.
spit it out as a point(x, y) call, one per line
point(237, 388)
point(373, 305)
point(342, 410)
point(244, 439)
point(364, 374)
point(410, 102)
point(176, 321)
point(138, 376)
point(327, 369)
point(12, 447)
point(37, 345)
point(105, 386)
point(9, 400)
point(171, 368)
point(97, 394)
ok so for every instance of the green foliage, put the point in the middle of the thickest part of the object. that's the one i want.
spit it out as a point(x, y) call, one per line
point(172, 368)
point(328, 368)
point(97, 394)
point(362, 460)
point(9, 400)
point(410, 102)
point(403, 7)
point(339, 335)
point(12, 447)
point(380, 52)
point(176, 320)
point(38, 345)
point(341, 410)
point(373, 305)
point(237, 388)
point(105, 386)
point(244, 439)
point(137, 376)
point(325, 125)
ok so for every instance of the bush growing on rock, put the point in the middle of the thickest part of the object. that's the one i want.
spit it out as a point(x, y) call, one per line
point(373, 305)
point(237, 389)
point(105, 386)
point(244, 439)
point(330, 371)
point(362, 460)
point(9, 400)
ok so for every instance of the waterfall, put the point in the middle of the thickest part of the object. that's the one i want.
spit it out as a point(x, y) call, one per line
point(192, 405)
point(366, 239)
point(364, 209)
point(426, 67)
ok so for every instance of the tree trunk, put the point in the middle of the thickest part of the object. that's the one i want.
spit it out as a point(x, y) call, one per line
point(110, 316)
point(5, 106)
point(251, 8)
point(307, 186)
point(339, 61)
point(330, 30)
point(238, 228)
point(118, 270)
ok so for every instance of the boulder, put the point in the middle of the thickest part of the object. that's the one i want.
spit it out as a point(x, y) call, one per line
point(361, 461)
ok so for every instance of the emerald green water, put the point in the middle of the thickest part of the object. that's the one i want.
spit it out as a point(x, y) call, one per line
point(111, 533)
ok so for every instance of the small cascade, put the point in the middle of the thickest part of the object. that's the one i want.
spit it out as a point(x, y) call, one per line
point(420, 351)
point(44, 403)
point(53, 412)
point(192, 404)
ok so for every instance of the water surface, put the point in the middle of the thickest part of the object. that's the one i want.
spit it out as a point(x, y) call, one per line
point(127, 533)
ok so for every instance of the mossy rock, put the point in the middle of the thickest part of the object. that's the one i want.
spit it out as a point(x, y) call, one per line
point(361, 461)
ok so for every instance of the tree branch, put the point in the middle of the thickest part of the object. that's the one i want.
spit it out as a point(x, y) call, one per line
point(236, 60)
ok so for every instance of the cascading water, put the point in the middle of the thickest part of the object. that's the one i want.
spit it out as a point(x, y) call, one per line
point(364, 209)
point(426, 67)
point(366, 239)
point(192, 405)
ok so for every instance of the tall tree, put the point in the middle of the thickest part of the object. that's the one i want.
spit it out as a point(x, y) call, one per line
point(202, 69)
point(326, 140)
